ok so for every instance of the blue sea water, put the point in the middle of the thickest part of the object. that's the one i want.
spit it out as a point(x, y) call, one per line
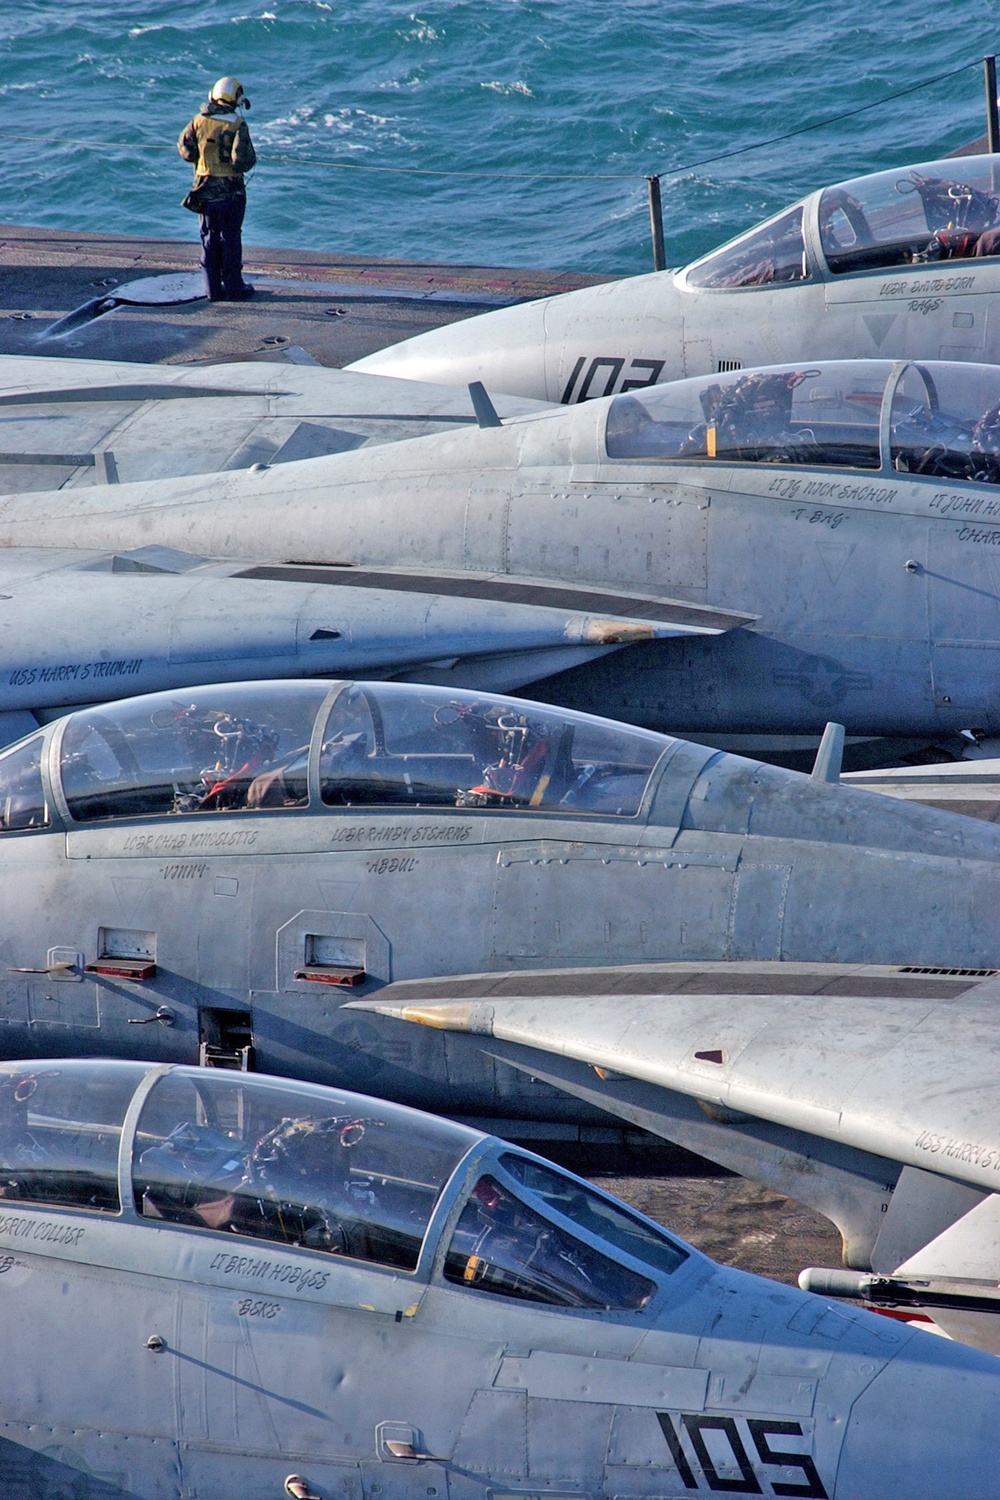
point(549, 113)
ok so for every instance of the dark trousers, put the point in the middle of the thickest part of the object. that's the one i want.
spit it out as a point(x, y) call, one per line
point(222, 245)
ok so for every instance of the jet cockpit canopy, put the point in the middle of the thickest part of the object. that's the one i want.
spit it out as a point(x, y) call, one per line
point(255, 1159)
point(934, 418)
point(262, 1158)
point(251, 747)
point(940, 210)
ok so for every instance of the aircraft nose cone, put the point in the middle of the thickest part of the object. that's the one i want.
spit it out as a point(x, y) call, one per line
point(927, 1428)
point(504, 349)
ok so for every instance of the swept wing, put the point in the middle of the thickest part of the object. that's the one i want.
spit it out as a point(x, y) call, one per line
point(71, 422)
point(836, 1097)
point(80, 627)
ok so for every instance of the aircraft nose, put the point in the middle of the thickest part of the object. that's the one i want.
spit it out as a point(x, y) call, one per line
point(504, 349)
point(926, 1428)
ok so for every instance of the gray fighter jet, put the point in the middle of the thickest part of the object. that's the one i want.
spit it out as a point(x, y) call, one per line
point(211, 874)
point(900, 264)
point(868, 1094)
point(820, 542)
point(245, 1289)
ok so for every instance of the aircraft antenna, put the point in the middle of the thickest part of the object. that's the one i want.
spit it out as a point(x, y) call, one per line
point(486, 413)
point(830, 755)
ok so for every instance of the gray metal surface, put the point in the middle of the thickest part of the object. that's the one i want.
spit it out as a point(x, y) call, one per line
point(725, 860)
point(971, 787)
point(498, 1398)
point(83, 627)
point(148, 423)
point(878, 1112)
point(163, 421)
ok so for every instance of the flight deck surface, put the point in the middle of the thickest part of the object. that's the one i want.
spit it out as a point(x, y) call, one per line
point(336, 308)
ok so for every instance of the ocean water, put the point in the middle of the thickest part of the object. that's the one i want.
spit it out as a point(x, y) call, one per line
point(500, 132)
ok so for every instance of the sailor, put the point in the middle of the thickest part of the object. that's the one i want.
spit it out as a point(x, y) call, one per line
point(218, 142)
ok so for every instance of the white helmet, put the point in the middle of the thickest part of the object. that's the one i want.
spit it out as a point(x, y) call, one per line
point(229, 91)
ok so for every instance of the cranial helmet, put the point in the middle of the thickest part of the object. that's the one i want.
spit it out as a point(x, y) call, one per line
point(227, 91)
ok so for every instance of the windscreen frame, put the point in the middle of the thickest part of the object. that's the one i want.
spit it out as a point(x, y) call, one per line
point(54, 821)
point(489, 1162)
point(814, 270)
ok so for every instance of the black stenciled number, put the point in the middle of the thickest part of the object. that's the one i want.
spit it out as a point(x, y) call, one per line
point(760, 1431)
point(614, 367)
point(676, 1451)
point(571, 382)
point(651, 368)
point(696, 1427)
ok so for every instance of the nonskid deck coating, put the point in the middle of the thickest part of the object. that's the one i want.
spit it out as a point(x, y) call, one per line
point(335, 308)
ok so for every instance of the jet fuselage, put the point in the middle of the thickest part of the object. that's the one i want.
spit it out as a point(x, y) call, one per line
point(153, 907)
point(849, 537)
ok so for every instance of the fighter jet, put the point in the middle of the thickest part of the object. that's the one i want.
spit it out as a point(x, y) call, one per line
point(817, 541)
point(899, 264)
point(868, 1094)
point(209, 875)
point(235, 1287)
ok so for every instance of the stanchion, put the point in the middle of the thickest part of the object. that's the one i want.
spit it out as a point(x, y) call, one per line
point(992, 124)
point(656, 221)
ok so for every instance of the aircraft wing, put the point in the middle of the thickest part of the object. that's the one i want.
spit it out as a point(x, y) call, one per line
point(878, 1108)
point(79, 627)
point(71, 422)
point(964, 786)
